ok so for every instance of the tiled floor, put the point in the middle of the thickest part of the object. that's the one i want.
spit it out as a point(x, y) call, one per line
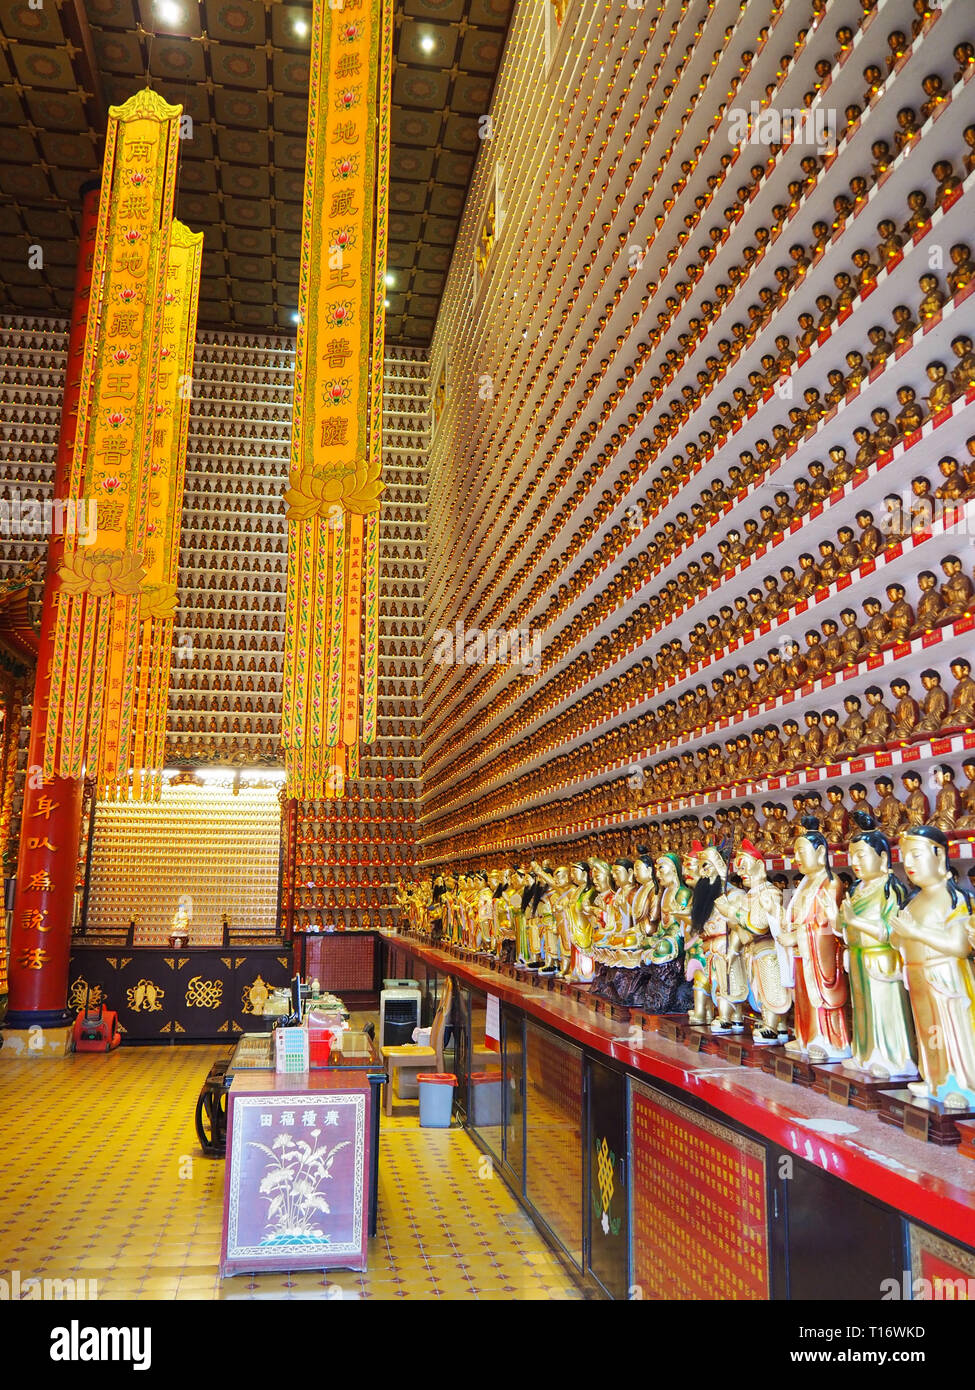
point(104, 1180)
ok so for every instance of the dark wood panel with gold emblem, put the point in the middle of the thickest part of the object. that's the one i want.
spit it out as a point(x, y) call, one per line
point(195, 995)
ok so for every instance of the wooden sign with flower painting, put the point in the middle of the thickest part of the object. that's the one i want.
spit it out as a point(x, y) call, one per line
point(296, 1181)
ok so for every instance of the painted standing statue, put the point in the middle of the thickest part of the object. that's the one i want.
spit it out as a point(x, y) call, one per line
point(935, 933)
point(821, 993)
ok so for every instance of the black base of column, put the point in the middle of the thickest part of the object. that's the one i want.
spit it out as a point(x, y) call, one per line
point(38, 1018)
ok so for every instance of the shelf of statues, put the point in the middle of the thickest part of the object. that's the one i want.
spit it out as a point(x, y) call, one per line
point(850, 732)
point(691, 132)
point(836, 439)
point(568, 197)
point(882, 569)
point(951, 805)
point(363, 849)
point(234, 504)
point(895, 374)
point(305, 882)
point(831, 173)
point(43, 417)
point(839, 986)
point(39, 473)
point(641, 794)
point(43, 339)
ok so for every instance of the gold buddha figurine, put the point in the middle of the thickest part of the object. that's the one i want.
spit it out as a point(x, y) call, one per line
point(882, 1037)
point(848, 555)
point(933, 297)
point(879, 723)
point(854, 642)
point(870, 540)
point(908, 129)
point(774, 748)
point(916, 804)
point(858, 799)
point(900, 614)
point(890, 813)
point(890, 244)
point(828, 569)
point(794, 750)
point(907, 712)
point(814, 656)
point(961, 710)
point(957, 592)
point(904, 325)
point(933, 88)
point(897, 47)
point(963, 271)
point(813, 739)
point(963, 373)
point(934, 705)
point(964, 55)
point(837, 819)
point(853, 728)
point(924, 506)
point(885, 434)
point(935, 933)
point(920, 213)
point(880, 346)
point(966, 820)
point(930, 605)
point(942, 392)
point(948, 183)
point(837, 387)
point(947, 803)
point(877, 631)
point(880, 150)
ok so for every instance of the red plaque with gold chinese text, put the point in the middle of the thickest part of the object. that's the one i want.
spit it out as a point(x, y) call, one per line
point(699, 1225)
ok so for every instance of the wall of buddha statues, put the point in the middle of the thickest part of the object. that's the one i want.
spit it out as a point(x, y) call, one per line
point(225, 694)
point(715, 436)
point(351, 853)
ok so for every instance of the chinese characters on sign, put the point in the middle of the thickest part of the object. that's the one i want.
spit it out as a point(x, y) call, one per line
point(700, 1228)
point(296, 1181)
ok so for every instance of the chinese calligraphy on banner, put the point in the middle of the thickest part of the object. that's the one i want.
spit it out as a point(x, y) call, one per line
point(699, 1223)
point(331, 628)
point(117, 597)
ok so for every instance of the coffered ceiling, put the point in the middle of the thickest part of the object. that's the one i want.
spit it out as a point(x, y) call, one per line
point(239, 68)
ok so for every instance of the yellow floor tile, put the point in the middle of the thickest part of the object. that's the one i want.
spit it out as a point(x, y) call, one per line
point(142, 1230)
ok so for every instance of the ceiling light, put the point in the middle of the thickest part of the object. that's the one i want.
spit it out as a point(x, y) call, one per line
point(385, 303)
point(295, 317)
point(300, 27)
point(390, 279)
point(168, 12)
point(428, 43)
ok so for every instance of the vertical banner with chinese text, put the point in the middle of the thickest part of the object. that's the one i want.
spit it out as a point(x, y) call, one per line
point(336, 462)
point(107, 674)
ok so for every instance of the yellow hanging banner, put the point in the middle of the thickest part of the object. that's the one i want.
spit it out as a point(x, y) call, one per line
point(336, 435)
point(108, 676)
point(171, 420)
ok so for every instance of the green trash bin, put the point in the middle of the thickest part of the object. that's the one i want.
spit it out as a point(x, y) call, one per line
point(436, 1098)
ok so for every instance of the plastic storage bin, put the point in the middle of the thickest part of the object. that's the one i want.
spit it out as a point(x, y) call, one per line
point(486, 1099)
point(436, 1098)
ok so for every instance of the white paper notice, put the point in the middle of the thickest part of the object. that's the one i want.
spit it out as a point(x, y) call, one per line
point(492, 1021)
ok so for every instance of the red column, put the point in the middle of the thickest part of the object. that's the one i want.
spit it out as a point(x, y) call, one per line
point(50, 833)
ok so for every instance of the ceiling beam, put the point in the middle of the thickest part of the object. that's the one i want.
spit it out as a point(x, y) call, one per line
point(74, 18)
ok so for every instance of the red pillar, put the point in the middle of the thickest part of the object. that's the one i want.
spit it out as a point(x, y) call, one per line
point(50, 832)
